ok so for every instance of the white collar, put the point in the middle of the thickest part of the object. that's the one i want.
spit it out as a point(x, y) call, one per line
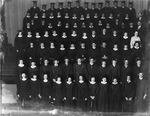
point(55, 34)
point(24, 79)
point(69, 82)
point(73, 35)
point(29, 35)
point(46, 35)
point(45, 80)
point(64, 36)
point(81, 81)
point(115, 49)
point(21, 65)
point(114, 83)
point(92, 82)
point(20, 36)
point(33, 66)
point(33, 79)
point(62, 48)
point(104, 82)
point(58, 82)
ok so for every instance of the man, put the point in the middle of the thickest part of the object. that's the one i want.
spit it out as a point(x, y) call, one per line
point(132, 12)
point(107, 9)
point(123, 10)
point(92, 69)
point(79, 68)
point(115, 9)
point(34, 9)
point(114, 71)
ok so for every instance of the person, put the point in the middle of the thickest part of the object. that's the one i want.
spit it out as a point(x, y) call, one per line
point(26, 19)
point(55, 70)
point(33, 69)
point(64, 39)
point(20, 45)
point(125, 39)
point(31, 53)
point(82, 52)
point(102, 95)
point(114, 95)
point(34, 94)
point(123, 10)
point(69, 95)
point(62, 52)
point(115, 52)
point(57, 91)
point(92, 69)
point(128, 94)
point(113, 71)
point(125, 70)
point(132, 12)
point(23, 88)
point(79, 68)
point(141, 93)
point(81, 92)
point(107, 9)
point(67, 68)
point(134, 39)
point(92, 94)
point(53, 52)
point(93, 51)
point(34, 9)
point(21, 67)
point(102, 70)
point(42, 52)
point(93, 37)
point(115, 9)
point(74, 38)
point(46, 38)
point(45, 88)
point(45, 68)
point(72, 53)
point(54, 37)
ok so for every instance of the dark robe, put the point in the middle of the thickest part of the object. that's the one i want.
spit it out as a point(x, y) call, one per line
point(45, 90)
point(74, 39)
point(93, 53)
point(102, 97)
point(78, 70)
point(72, 54)
point(113, 72)
point(102, 71)
point(45, 69)
point(53, 53)
point(32, 71)
point(92, 70)
point(62, 54)
point(34, 10)
point(57, 93)
point(128, 96)
point(55, 71)
point(92, 93)
point(34, 89)
point(81, 94)
point(69, 89)
point(23, 89)
point(67, 70)
point(141, 104)
point(114, 97)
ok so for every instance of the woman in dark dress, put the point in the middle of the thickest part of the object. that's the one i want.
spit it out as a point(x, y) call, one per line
point(57, 91)
point(20, 45)
point(102, 95)
point(81, 93)
point(45, 88)
point(114, 95)
point(23, 88)
point(128, 94)
point(92, 94)
point(34, 88)
point(69, 94)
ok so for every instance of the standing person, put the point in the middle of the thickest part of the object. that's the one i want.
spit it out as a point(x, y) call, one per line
point(113, 71)
point(81, 92)
point(67, 68)
point(141, 93)
point(69, 95)
point(34, 9)
point(23, 88)
point(45, 88)
point(134, 39)
point(92, 69)
point(128, 94)
point(20, 45)
point(92, 94)
point(34, 88)
point(103, 70)
point(114, 95)
point(79, 68)
point(57, 91)
point(102, 95)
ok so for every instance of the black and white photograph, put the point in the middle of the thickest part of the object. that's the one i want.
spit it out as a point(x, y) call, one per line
point(74, 57)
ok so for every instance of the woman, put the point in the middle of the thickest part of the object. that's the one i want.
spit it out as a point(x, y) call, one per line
point(23, 88)
point(134, 39)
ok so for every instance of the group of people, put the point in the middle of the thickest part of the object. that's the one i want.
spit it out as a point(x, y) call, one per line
point(91, 59)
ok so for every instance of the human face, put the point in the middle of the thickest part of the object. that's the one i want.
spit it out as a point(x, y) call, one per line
point(45, 76)
point(140, 76)
point(93, 79)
